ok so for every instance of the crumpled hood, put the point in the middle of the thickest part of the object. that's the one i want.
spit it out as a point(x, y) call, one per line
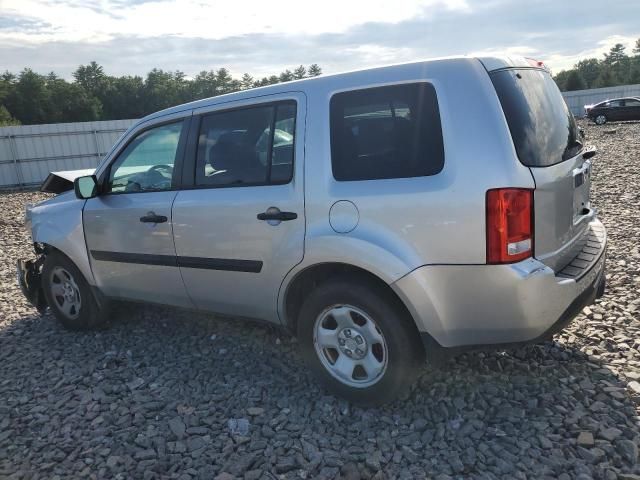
point(58, 182)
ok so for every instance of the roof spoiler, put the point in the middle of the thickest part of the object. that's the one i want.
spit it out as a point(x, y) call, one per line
point(500, 63)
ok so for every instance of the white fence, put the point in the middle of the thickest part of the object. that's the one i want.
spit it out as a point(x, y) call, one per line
point(28, 153)
point(577, 99)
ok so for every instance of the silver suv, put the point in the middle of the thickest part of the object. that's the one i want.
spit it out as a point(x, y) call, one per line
point(385, 216)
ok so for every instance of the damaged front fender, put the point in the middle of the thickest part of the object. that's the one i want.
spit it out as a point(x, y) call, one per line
point(29, 274)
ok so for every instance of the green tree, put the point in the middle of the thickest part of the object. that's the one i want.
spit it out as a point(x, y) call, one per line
point(605, 79)
point(634, 72)
point(33, 98)
point(204, 85)
point(70, 102)
point(125, 98)
point(300, 72)
point(575, 81)
point(314, 70)
point(636, 48)
point(589, 70)
point(163, 90)
point(561, 79)
point(246, 82)
point(264, 81)
point(615, 55)
point(6, 120)
point(224, 81)
point(28, 100)
point(91, 77)
point(7, 81)
point(286, 76)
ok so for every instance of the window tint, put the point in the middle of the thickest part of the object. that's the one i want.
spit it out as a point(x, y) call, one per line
point(543, 129)
point(614, 103)
point(250, 146)
point(146, 163)
point(386, 132)
point(632, 102)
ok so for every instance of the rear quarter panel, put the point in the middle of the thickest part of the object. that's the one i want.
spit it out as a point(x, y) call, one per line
point(423, 220)
point(406, 223)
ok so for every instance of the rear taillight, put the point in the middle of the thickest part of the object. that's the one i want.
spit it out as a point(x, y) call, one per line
point(509, 225)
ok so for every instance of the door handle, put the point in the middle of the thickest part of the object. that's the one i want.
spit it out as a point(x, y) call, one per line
point(153, 218)
point(277, 215)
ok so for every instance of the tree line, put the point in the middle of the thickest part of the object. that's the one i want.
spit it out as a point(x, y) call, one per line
point(30, 98)
point(616, 68)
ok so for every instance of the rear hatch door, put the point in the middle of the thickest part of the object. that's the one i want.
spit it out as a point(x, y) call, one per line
point(548, 141)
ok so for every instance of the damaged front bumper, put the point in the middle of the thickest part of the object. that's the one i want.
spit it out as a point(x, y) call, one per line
point(29, 278)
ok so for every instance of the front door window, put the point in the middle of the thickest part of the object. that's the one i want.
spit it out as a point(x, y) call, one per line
point(146, 164)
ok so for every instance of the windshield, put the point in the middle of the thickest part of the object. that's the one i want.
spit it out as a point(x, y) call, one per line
point(543, 129)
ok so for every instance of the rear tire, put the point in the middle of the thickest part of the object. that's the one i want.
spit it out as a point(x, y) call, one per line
point(69, 296)
point(358, 341)
point(600, 119)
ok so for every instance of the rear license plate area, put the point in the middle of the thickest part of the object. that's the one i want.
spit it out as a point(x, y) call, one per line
point(581, 191)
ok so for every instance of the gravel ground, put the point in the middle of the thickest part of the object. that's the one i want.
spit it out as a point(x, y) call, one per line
point(170, 394)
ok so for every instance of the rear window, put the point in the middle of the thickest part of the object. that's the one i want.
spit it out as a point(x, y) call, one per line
point(543, 129)
point(386, 132)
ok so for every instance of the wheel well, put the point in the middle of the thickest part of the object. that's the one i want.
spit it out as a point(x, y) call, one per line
point(313, 276)
point(46, 248)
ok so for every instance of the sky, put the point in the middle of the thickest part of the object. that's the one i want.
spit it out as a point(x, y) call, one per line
point(130, 37)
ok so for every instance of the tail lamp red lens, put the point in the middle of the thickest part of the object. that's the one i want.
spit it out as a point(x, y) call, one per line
point(509, 225)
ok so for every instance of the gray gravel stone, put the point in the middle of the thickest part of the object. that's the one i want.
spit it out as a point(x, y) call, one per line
point(145, 454)
point(628, 450)
point(585, 439)
point(177, 427)
point(610, 433)
point(152, 396)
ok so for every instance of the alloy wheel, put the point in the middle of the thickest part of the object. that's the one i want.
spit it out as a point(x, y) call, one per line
point(65, 292)
point(350, 346)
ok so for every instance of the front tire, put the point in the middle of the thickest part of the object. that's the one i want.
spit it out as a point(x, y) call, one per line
point(358, 341)
point(600, 119)
point(68, 294)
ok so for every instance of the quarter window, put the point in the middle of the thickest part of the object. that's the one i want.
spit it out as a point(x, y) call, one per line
point(146, 164)
point(249, 146)
point(386, 132)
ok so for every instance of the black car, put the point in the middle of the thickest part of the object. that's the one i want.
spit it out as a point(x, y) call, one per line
point(613, 110)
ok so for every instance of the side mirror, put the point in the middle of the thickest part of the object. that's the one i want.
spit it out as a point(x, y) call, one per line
point(589, 152)
point(86, 187)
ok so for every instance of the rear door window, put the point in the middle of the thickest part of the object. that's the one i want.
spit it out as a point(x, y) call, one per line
point(247, 146)
point(386, 132)
point(543, 129)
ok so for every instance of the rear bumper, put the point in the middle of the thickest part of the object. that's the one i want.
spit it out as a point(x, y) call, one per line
point(487, 305)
